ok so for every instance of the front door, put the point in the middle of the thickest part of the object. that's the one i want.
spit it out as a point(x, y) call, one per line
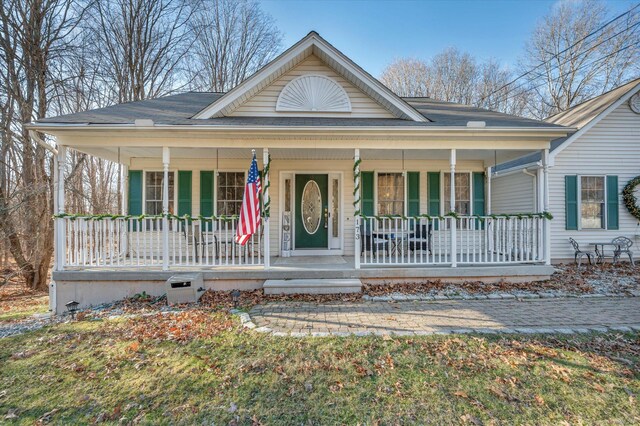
point(311, 211)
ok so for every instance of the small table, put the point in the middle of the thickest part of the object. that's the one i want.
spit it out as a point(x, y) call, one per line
point(600, 249)
point(395, 238)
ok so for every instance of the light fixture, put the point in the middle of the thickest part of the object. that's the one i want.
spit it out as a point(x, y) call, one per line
point(72, 307)
point(235, 297)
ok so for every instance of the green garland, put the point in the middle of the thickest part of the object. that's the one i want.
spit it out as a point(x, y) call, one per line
point(629, 198)
point(356, 187)
point(543, 215)
point(141, 217)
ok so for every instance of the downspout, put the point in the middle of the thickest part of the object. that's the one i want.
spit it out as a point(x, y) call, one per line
point(34, 135)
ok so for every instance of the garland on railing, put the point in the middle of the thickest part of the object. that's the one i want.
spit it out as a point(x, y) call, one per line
point(356, 187)
point(141, 217)
point(543, 215)
point(265, 173)
point(629, 197)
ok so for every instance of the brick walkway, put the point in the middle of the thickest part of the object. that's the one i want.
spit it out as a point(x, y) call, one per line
point(452, 316)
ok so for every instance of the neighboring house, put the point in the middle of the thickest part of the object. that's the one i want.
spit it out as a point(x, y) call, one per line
point(588, 170)
point(321, 126)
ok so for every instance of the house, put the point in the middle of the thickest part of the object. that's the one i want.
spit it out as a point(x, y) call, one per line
point(587, 173)
point(359, 184)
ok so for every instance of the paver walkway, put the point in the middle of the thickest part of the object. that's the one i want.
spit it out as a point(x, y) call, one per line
point(420, 317)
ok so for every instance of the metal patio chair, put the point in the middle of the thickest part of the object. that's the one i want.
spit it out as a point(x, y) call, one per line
point(579, 254)
point(623, 246)
point(421, 238)
point(372, 242)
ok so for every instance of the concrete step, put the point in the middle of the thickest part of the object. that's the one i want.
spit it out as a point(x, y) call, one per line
point(312, 286)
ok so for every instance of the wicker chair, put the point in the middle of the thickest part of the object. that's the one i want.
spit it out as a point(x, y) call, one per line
point(579, 254)
point(623, 246)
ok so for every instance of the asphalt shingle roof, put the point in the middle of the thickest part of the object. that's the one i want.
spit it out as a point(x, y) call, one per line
point(178, 110)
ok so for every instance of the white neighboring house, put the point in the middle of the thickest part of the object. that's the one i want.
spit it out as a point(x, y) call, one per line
point(587, 172)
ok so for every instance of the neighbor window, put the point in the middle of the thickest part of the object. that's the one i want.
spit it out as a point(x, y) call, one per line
point(462, 195)
point(230, 192)
point(153, 192)
point(390, 194)
point(592, 202)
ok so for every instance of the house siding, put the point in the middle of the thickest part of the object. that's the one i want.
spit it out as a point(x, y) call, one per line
point(279, 166)
point(514, 193)
point(611, 147)
point(264, 102)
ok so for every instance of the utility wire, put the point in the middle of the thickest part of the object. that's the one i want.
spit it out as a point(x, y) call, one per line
point(563, 51)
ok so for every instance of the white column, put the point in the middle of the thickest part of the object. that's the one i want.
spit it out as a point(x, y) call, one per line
point(266, 199)
point(125, 190)
point(60, 231)
point(545, 204)
point(488, 195)
point(166, 158)
point(358, 207)
point(452, 208)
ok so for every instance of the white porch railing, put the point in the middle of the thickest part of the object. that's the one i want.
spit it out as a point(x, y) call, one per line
point(135, 242)
point(451, 241)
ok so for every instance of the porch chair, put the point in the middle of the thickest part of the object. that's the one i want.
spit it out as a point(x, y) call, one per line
point(199, 241)
point(421, 238)
point(372, 243)
point(623, 245)
point(579, 254)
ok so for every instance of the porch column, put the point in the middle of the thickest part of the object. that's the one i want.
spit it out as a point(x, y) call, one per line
point(125, 190)
point(539, 208)
point(165, 208)
point(266, 200)
point(545, 204)
point(358, 208)
point(452, 208)
point(488, 200)
point(59, 228)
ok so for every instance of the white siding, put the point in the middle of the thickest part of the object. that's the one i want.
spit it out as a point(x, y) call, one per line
point(306, 166)
point(611, 147)
point(514, 193)
point(264, 102)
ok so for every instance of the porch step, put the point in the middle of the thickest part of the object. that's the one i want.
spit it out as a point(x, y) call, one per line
point(312, 286)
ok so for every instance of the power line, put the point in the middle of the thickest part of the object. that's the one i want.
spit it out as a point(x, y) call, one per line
point(561, 63)
point(563, 51)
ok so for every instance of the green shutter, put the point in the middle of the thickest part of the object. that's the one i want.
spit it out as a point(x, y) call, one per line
point(571, 202)
point(366, 193)
point(413, 193)
point(135, 192)
point(433, 196)
point(612, 202)
point(184, 192)
point(478, 194)
point(206, 193)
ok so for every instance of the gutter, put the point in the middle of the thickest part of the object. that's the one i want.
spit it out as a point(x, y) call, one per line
point(39, 141)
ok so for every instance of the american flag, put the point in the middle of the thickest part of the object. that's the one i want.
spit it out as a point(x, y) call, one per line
point(250, 210)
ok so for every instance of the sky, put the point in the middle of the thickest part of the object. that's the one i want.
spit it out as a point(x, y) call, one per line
point(375, 32)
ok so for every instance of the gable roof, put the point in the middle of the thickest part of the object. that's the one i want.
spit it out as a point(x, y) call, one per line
point(581, 117)
point(312, 43)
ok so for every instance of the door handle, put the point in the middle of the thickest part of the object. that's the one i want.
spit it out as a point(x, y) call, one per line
point(326, 218)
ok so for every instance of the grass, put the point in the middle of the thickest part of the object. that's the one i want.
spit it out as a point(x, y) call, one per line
point(16, 308)
point(136, 371)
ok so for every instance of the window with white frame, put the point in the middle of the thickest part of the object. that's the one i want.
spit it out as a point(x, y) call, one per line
point(390, 194)
point(592, 202)
point(153, 192)
point(462, 195)
point(229, 193)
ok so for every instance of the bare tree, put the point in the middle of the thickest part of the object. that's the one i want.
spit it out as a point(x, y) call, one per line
point(140, 46)
point(407, 77)
point(573, 55)
point(34, 40)
point(233, 39)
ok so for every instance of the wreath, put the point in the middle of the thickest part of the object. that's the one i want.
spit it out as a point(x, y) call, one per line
point(629, 198)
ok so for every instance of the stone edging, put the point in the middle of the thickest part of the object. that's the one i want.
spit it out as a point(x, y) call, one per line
point(491, 296)
point(247, 322)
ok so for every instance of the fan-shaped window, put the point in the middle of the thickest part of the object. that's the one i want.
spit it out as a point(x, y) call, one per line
point(313, 93)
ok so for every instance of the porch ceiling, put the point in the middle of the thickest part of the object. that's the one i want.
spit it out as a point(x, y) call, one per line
point(124, 154)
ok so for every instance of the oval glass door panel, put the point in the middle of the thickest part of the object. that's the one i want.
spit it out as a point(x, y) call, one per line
point(311, 207)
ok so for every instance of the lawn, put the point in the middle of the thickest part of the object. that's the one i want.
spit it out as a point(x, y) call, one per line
point(201, 367)
point(22, 304)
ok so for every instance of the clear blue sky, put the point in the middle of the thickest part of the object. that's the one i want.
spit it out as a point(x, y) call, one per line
point(374, 32)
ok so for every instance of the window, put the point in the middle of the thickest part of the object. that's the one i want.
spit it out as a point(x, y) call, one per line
point(390, 194)
point(592, 202)
point(463, 193)
point(153, 192)
point(230, 192)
